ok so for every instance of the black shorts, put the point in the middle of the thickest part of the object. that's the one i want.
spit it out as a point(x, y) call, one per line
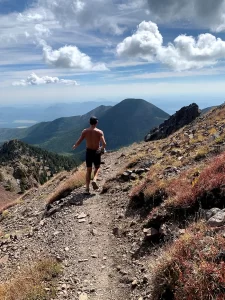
point(93, 157)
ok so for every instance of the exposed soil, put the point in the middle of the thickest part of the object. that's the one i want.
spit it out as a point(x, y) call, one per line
point(91, 235)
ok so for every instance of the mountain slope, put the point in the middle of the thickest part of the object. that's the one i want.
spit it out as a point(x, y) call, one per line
point(129, 121)
point(7, 134)
point(207, 109)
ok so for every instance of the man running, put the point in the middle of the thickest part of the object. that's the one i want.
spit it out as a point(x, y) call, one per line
point(94, 137)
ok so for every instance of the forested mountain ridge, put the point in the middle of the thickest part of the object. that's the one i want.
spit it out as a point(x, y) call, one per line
point(23, 166)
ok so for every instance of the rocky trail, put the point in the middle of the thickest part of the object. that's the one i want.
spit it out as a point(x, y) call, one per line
point(91, 236)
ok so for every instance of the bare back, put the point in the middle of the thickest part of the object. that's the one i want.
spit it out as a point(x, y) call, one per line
point(93, 137)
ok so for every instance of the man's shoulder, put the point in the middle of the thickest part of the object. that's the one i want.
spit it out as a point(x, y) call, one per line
point(99, 130)
point(85, 130)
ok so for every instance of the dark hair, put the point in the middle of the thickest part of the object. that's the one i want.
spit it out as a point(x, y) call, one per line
point(93, 120)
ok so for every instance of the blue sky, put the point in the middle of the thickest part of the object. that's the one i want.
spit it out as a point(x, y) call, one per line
point(169, 52)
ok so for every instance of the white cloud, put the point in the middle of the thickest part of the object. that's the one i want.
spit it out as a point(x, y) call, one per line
point(143, 43)
point(96, 14)
point(34, 15)
point(33, 79)
point(42, 30)
point(205, 13)
point(188, 53)
point(160, 75)
point(30, 17)
point(69, 57)
point(111, 16)
point(185, 53)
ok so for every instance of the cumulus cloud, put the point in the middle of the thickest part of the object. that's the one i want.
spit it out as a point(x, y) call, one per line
point(144, 43)
point(69, 57)
point(95, 14)
point(185, 53)
point(206, 13)
point(33, 79)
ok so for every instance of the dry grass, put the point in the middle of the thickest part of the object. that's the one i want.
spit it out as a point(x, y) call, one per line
point(202, 153)
point(151, 183)
point(134, 160)
point(33, 283)
point(75, 181)
point(191, 269)
point(9, 205)
point(59, 177)
point(212, 131)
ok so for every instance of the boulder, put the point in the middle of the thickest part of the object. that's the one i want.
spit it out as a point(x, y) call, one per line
point(217, 220)
point(211, 212)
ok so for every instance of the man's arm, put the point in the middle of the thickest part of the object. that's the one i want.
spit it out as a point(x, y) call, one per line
point(78, 142)
point(103, 142)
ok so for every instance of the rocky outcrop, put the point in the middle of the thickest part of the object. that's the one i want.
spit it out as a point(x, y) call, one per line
point(181, 118)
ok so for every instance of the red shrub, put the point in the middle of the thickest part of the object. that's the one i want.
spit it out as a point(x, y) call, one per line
point(212, 177)
point(190, 269)
point(180, 192)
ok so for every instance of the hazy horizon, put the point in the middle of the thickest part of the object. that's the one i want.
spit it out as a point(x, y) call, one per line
point(24, 115)
point(169, 104)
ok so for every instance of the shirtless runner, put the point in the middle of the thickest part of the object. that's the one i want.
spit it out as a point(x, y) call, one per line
point(93, 137)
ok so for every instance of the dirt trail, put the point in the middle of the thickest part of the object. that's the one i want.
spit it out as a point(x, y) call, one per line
point(81, 235)
point(90, 251)
point(89, 245)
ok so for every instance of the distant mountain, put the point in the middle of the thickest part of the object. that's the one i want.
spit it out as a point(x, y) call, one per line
point(125, 123)
point(26, 116)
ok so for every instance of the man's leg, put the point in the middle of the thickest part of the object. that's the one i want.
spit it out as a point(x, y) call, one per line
point(97, 163)
point(96, 172)
point(88, 178)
